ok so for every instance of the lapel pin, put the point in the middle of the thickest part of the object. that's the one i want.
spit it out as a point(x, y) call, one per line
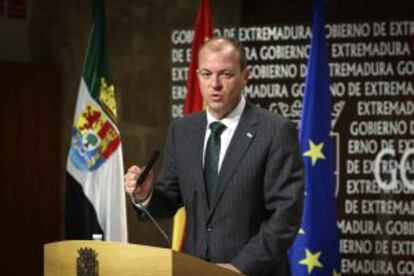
point(249, 135)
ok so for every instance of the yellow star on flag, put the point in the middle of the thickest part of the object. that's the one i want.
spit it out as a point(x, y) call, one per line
point(315, 152)
point(301, 231)
point(311, 261)
point(335, 273)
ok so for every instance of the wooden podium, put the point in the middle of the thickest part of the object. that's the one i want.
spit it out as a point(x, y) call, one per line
point(112, 258)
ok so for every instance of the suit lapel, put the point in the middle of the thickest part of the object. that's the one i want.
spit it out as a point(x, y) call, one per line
point(242, 138)
point(196, 148)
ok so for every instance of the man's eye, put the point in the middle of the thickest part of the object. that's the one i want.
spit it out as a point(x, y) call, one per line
point(205, 74)
point(226, 75)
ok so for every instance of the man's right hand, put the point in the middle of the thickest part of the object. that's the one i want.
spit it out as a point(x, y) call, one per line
point(130, 180)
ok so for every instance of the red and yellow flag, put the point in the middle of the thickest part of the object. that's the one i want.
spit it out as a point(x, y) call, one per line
point(203, 30)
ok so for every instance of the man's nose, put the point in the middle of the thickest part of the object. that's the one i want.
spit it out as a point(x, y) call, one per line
point(216, 81)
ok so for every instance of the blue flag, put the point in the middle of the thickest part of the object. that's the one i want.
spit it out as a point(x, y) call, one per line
point(316, 248)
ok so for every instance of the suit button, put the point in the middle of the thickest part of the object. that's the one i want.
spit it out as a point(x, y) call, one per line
point(209, 228)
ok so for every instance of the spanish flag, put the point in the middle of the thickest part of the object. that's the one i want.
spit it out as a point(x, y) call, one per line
point(203, 30)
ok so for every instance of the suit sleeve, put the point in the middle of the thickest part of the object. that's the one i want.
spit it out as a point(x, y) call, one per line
point(166, 196)
point(283, 195)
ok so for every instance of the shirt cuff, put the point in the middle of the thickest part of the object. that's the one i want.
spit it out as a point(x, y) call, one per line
point(142, 204)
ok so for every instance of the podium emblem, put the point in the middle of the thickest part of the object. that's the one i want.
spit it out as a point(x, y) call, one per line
point(86, 263)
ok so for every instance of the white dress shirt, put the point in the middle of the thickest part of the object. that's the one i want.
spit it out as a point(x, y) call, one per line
point(230, 121)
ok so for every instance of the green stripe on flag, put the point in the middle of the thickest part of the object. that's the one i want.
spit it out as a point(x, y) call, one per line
point(95, 68)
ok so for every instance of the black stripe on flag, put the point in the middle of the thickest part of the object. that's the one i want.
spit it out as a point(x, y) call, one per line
point(81, 220)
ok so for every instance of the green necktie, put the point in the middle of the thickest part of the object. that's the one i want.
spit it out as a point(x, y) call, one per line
point(211, 159)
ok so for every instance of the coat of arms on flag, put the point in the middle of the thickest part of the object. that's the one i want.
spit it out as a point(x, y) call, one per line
point(94, 139)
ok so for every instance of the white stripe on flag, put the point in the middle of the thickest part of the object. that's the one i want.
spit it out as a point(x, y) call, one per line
point(103, 186)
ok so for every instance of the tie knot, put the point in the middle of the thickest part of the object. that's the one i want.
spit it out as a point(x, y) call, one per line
point(217, 128)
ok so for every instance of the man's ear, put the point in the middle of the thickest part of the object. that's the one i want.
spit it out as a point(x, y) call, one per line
point(245, 75)
point(197, 71)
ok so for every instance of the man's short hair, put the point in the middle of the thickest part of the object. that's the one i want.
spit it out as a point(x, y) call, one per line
point(233, 42)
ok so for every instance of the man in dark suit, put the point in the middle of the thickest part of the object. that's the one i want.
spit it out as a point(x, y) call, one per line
point(236, 168)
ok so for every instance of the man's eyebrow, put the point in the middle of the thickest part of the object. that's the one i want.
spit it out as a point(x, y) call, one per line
point(203, 69)
point(220, 71)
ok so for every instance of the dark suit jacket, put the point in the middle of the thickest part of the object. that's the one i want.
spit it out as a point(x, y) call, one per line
point(256, 208)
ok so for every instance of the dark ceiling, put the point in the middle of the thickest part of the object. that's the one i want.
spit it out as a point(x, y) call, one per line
point(260, 12)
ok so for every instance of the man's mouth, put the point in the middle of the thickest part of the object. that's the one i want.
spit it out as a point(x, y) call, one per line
point(216, 96)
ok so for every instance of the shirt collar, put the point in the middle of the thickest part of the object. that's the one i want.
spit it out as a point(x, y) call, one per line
point(232, 119)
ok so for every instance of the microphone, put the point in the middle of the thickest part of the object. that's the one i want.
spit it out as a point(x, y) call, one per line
point(140, 180)
point(156, 225)
point(147, 168)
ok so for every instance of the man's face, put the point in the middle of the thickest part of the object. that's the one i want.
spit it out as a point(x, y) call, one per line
point(221, 79)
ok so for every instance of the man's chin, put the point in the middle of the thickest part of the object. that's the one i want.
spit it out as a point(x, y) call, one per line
point(217, 109)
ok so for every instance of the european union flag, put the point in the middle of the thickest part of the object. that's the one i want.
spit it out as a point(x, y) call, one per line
point(316, 248)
